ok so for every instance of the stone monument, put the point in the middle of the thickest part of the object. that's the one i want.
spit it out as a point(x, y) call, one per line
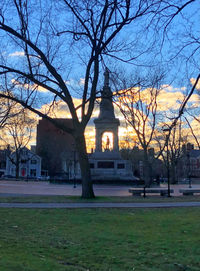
point(106, 162)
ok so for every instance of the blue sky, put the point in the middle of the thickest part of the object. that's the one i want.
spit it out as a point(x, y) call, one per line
point(178, 70)
point(157, 56)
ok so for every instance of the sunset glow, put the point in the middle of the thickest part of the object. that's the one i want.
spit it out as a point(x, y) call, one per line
point(168, 100)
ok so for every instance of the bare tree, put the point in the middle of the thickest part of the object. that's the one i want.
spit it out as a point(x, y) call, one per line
point(49, 36)
point(193, 131)
point(5, 111)
point(169, 143)
point(175, 151)
point(16, 134)
point(177, 26)
point(139, 108)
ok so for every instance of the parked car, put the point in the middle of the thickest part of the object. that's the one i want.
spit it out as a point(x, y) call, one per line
point(43, 178)
point(7, 176)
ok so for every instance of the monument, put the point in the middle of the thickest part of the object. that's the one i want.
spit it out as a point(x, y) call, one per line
point(106, 162)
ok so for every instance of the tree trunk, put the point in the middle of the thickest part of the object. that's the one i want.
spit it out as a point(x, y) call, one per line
point(173, 173)
point(87, 187)
point(17, 168)
point(147, 170)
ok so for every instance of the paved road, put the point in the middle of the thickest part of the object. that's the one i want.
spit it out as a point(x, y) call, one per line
point(98, 205)
point(26, 189)
point(45, 188)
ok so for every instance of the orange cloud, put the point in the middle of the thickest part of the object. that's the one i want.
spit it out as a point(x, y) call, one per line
point(193, 81)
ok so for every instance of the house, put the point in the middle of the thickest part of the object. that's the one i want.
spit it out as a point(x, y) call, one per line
point(189, 163)
point(29, 164)
point(192, 163)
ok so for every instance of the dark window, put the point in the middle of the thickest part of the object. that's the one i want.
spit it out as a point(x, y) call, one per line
point(120, 165)
point(23, 161)
point(33, 162)
point(33, 172)
point(91, 165)
point(105, 164)
point(2, 164)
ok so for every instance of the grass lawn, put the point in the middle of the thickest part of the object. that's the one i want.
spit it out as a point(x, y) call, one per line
point(63, 199)
point(100, 239)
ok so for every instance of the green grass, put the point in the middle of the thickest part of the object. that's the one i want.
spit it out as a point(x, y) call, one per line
point(100, 239)
point(63, 199)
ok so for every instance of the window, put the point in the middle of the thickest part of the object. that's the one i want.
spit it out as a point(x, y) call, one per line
point(91, 165)
point(23, 161)
point(33, 172)
point(2, 164)
point(33, 162)
point(106, 164)
point(120, 166)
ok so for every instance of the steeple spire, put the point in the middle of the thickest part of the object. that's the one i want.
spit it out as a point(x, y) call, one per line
point(106, 78)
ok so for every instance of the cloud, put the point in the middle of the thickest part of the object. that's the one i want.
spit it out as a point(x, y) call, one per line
point(61, 110)
point(75, 83)
point(82, 81)
point(17, 54)
point(169, 100)
point(193, 81)
point(194, 98)
point(29, 86)
point(39, 88)
point(170, 88)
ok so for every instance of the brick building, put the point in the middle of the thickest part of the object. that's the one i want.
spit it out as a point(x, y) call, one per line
point(55, 147)
point(3, 155)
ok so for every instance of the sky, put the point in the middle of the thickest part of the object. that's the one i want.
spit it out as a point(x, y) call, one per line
point(168, 101)
point(180, 66)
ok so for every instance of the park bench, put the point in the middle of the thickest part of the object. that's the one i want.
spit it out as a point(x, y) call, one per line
point(144, 191)
point(189, 191)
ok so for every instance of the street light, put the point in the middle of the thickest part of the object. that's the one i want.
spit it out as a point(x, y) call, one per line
point(73, 163)
point(74, 168)
point(168, 173)
point(189, 169)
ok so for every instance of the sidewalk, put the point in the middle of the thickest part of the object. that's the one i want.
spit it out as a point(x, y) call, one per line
point(98, 205)
point(44, 188)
